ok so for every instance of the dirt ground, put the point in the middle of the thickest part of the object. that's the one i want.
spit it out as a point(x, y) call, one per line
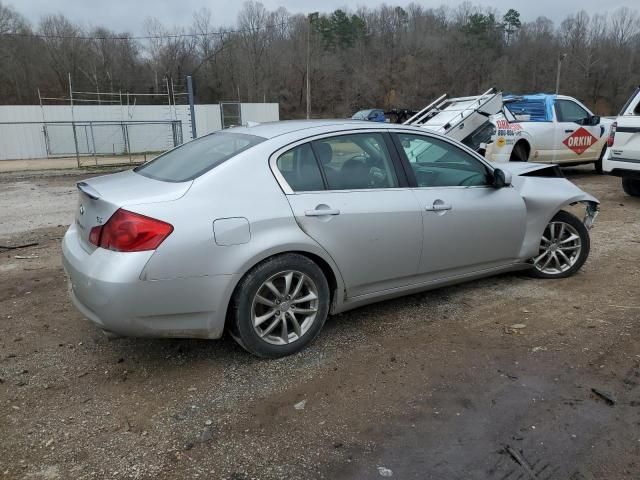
point(33, 164)
point(431, 386)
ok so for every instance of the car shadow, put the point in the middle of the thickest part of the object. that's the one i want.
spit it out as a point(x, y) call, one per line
point(160, 355)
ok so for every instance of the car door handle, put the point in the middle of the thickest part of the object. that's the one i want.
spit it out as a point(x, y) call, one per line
point(438, 207)
point(322, 212)
point(568, 131)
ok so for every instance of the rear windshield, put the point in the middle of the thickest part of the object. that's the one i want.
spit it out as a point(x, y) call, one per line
point(530, 109)
point(194, 158)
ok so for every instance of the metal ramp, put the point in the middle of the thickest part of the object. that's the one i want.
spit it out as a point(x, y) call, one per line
point(460, 117)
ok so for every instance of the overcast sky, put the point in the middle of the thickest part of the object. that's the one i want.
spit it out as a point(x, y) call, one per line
point(129, 15)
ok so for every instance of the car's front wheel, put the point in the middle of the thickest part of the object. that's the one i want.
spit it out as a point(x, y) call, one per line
point(564, 247)
point(280, 306)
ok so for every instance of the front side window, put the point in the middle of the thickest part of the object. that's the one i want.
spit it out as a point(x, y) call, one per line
point(436, 163)
point(356, 161)
point(194, 158)
point(568, 111)
point(300, 169)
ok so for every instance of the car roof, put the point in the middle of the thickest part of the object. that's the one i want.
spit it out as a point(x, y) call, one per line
point(538, 96)
point(275, 129)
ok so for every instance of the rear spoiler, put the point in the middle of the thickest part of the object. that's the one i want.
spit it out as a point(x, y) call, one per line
point(88, 190)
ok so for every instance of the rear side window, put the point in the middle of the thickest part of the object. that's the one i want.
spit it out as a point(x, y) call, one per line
point(194, 158)
point(300, 169)
point(356, 162)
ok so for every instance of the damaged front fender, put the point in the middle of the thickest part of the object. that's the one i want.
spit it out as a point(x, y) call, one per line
point(544, 197)
point(591, 212)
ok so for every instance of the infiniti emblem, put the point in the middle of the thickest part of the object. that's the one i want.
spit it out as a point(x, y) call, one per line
point(81, 209)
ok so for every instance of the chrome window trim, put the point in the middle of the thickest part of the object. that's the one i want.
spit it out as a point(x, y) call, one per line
point(286, 188)
point(458, 187)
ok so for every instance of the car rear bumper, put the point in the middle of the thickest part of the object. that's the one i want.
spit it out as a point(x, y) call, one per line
point(621, 172)
point(108, 289)
point(621, 167)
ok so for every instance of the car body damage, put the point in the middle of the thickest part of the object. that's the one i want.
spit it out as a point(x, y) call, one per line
point(543, 197)
point(181, 245)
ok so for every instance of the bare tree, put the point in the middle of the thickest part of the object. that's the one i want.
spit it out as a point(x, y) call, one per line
point(388, 56)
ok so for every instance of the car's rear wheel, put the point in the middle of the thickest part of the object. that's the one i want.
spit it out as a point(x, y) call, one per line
point(631, 186)
point(519, 153)
point(598, 163)
point(280, 306)
point(564, 247)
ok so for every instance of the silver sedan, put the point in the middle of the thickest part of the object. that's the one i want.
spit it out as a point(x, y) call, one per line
point(265, 230)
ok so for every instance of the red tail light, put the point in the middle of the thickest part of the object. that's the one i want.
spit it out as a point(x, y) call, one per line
point(612, 134)
point(130, 232)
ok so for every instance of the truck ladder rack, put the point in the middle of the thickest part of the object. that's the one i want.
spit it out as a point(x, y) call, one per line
point(489, 103)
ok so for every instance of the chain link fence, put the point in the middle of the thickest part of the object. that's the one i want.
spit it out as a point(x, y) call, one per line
point(118, 141)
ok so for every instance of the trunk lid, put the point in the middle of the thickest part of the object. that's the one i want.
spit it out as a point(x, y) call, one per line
point(100, 197)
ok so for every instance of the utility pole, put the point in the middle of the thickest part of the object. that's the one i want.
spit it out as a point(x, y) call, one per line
point(561, 57)
point(192, 109)
point(73, 122)
point(308, 55)
point(311, 17)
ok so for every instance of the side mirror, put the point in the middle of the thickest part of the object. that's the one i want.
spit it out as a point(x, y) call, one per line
point(501, 178)
point(594, 120)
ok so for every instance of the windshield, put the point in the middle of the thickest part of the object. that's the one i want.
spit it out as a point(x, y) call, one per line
point(194, 158)
point(361, 115)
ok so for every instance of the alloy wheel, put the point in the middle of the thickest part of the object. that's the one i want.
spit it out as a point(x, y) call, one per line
point(560, 249)
point(285, 307)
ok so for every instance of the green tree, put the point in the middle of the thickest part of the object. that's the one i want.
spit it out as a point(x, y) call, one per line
point(339, 30)
point(511, 22)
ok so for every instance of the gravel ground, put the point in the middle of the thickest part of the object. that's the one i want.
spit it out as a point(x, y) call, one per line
point(32, 200)
point(437, 385)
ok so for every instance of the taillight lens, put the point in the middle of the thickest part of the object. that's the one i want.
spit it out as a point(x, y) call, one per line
point(130, 232)
point(94, 235)
point(612, 134)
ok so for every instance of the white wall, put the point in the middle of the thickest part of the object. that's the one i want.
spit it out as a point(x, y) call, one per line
point(259, 112)
point(25, 141)
point(207, 120)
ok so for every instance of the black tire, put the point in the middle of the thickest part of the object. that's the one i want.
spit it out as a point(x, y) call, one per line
point(242, 304)
point(583, 233)
point(598, 163)
point(519, 153)
point(631, 186)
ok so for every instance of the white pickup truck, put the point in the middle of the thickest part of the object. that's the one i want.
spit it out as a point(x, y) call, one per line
point(549, 129)
point(623, 155)
point(540, 128)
